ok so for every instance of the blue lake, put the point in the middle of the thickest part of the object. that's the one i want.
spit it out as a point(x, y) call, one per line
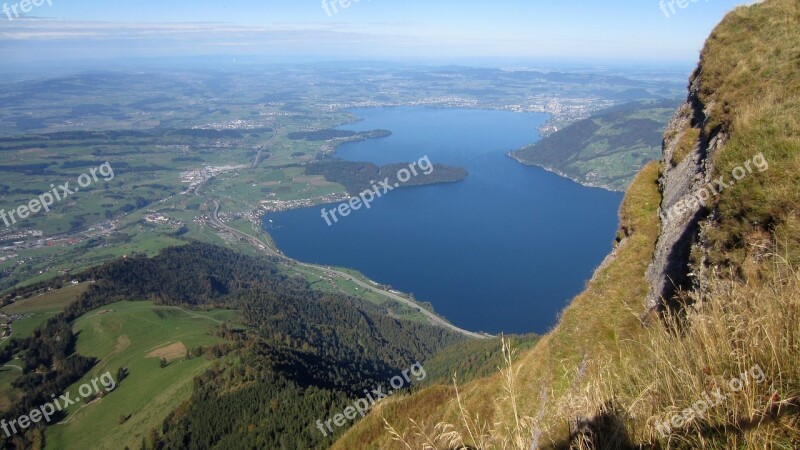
point(503, 251)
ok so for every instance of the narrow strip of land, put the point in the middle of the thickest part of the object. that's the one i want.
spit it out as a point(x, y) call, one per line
point(257, 159)
point(257, 243)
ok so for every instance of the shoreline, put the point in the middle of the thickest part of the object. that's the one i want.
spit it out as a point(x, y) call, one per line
point(562, 174)
point(335, 146)
point(272, 250)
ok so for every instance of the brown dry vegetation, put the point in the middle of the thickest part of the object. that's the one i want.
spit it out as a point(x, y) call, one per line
point(606, 373)
point(752, 88)
point(602, 317)
point(686, 145)
point(169, 352)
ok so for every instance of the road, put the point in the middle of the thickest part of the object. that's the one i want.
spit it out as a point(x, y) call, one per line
point(257, 243)
point(257, 159)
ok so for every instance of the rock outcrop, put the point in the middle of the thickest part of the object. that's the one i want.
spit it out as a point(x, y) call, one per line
point(682, 179)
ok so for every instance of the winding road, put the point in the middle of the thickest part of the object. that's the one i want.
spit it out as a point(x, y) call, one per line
point(434, 319)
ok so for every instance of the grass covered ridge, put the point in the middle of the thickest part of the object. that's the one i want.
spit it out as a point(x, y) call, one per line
point(607, 376)
point(603, 316)
point(607, 149)
point(125, 334)
point(751, 88)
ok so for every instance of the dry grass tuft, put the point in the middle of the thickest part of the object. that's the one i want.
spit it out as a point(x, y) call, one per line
point(604, 380)
point(686, 145)
point(474, 432)
point(751, 84)
point(732, 329)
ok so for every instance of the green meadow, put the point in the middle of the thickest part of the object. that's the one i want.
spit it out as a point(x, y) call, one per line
point(135, 335)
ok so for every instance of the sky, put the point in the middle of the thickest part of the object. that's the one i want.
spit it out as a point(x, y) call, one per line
point(646, 31)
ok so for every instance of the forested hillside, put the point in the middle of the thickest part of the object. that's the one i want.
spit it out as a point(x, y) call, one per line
point(358, 176)
point(313, 344)
point(607, 149)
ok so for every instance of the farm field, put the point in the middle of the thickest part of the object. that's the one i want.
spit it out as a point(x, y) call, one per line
point(135, 335)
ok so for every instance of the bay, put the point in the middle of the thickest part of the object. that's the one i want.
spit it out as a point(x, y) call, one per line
point(502, 251)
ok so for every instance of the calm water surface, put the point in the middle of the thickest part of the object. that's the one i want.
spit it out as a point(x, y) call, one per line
point(503, 251)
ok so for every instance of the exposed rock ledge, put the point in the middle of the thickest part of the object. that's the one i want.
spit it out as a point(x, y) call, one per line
point(669, 270)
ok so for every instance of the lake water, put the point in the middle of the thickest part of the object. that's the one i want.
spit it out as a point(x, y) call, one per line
point(503, 251)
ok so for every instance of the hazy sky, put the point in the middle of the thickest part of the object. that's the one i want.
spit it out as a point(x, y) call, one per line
point(614, 30)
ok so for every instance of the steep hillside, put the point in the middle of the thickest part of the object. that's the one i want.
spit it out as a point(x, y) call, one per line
point(687, 336)
point(233, 332)
point(607, 149)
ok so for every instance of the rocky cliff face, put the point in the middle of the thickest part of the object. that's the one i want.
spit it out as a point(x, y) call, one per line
point(685, 181)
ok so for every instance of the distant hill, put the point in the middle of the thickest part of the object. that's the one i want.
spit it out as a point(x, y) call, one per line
point(606, 150)
point(359, 176)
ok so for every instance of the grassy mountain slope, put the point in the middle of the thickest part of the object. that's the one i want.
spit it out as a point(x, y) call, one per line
point(613, 372)
point(130, 335)
point(473, 359)
point(607, 149)
point(598, 319)
point(304, 353)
